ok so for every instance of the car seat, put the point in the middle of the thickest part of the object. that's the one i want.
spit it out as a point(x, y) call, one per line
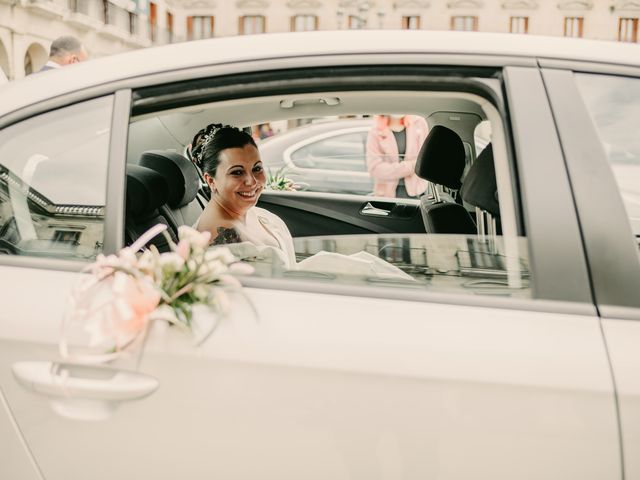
point(441, 161)
point(183, 206)
point(147, 191)
point(480, 190)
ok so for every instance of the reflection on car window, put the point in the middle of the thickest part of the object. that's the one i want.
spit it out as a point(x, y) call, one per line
point(340, 152)
point(53, 182)
point(445, 263)
point(614, 105)
point(321, 154)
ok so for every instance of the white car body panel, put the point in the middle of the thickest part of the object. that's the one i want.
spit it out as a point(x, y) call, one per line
point(15, 457)
point(623, 338)
point(349, 390)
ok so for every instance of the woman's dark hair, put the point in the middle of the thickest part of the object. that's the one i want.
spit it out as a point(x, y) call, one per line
point(217, 138)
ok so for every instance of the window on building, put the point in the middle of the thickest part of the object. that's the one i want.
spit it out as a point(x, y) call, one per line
point(304, 23)
point(133, 23)
point(354, 22)
point(199, 27)
point(411, 22)
point(116, 15)
point(466, 23)
point(628, 30)
point(250, 24)
point(79, 6)
point(573, 26)
point(153, 22)
point(106, 12)
point(52, 192)
point(519, 25)
point(169, 27)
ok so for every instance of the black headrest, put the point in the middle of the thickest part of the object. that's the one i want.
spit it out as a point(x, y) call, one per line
point(146, 190)
point(180, 174)
point(442, 159)
point(480, 188)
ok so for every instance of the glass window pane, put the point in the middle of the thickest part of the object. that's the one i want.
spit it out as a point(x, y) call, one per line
point(614, 104)
point(53, 170)
point(342, 152)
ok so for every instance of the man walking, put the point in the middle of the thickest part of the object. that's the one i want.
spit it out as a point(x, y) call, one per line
point(65, 51)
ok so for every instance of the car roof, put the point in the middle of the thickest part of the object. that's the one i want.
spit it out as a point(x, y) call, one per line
point(179, 56)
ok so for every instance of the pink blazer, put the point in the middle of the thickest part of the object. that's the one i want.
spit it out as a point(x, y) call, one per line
point(383, 163)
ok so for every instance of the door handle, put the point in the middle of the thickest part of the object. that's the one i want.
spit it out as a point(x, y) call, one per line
point(60, 379)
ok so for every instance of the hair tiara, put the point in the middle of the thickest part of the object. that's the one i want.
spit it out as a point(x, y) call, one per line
point(210, 132)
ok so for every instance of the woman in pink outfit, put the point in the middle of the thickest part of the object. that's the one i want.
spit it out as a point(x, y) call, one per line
point(392, 148)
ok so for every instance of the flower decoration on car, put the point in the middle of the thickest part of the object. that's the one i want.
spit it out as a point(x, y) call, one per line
point(279, 181)
point(125, 292)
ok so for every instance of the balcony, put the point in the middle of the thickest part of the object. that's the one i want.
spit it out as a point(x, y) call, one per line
point(48, 8)
point(115, 32)
point(86, 14)
point(120, 23)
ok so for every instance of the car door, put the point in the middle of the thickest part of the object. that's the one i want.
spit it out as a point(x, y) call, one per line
point(312, 214)
point(597, 111)
point(339, 380)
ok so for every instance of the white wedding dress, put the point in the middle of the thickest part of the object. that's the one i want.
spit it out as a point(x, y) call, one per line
point(263, 234)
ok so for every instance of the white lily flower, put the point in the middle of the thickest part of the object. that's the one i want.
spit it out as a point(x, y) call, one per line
point(171, 262)
point(147, 261)
point(194, 237)
point(222, 254)
point(202, 292)
point(128, 258)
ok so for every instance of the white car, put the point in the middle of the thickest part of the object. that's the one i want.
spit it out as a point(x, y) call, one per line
point(326, 156)
point(502, 348)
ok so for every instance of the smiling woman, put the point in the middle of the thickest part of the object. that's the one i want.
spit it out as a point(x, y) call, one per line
point(233, 170)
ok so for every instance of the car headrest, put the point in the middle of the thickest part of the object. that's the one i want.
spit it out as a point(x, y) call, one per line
point(146, 190)
point(442, 159)
point(181, 175)
point(480, 188)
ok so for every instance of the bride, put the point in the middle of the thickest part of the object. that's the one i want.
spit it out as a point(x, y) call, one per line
point(232, 168)
point(230, 161)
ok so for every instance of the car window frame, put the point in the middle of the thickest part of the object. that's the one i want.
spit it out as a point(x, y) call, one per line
point(615, 278)
point(579, 294)
point(556, 238)
point(438, 62)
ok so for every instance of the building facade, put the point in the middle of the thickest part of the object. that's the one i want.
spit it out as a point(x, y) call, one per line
point(27, 27)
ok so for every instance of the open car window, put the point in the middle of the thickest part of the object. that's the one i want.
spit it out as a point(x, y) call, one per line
point(424, 228)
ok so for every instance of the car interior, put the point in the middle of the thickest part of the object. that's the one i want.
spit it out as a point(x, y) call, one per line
point(451, 237)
